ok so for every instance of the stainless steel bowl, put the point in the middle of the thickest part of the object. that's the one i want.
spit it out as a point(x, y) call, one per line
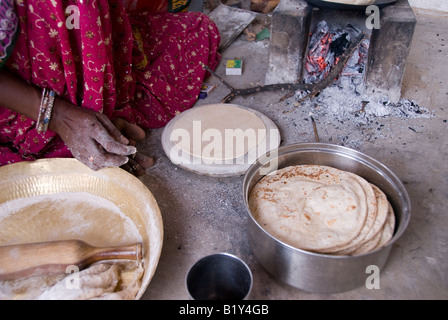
point(321, 273)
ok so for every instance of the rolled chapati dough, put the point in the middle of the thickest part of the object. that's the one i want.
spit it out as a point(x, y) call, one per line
point(105, 281)
point(218, 132)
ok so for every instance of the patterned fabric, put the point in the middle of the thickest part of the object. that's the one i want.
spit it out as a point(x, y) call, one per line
point(142, 67)
point(178, 5)
point(8, 29)
point(156, 5)
point(145, 5)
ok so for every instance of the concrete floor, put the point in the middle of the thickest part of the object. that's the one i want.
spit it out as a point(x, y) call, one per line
point(204, 215)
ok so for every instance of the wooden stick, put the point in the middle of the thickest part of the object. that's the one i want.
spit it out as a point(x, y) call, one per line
point(316, 134)
point(33, 259)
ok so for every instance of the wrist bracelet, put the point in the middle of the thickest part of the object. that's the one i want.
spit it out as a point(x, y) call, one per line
point(45, 110)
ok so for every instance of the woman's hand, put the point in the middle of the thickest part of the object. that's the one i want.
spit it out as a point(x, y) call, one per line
point(139, 162)
point(91, 137)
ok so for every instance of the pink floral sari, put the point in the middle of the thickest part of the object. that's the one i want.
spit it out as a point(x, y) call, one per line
point(143, 67)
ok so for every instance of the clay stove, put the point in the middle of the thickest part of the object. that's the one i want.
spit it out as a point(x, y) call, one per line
point(294, 22)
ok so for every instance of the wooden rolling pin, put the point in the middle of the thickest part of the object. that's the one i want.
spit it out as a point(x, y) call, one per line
point(43, 258)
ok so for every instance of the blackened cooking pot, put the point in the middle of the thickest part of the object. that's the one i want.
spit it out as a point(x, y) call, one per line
point(343, 6)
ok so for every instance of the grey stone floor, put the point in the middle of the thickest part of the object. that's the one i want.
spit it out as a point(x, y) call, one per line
point(204, 215)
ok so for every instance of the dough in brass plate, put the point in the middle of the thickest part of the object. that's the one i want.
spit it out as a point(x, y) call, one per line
point(62, 199)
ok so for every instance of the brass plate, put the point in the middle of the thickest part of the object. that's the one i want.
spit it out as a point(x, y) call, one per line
point(61, 199)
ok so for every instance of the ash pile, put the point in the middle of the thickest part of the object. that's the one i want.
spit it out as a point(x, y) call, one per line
point(346, 104)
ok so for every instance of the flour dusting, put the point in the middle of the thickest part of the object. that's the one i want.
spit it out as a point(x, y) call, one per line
point(66, 215)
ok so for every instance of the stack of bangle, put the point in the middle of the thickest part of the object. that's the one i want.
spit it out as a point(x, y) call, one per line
point(45, 110)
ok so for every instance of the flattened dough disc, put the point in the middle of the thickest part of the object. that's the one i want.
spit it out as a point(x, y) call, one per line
point(219, 139)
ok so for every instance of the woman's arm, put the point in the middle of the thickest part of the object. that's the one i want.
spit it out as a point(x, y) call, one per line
point(91, 136)
point(18, 96)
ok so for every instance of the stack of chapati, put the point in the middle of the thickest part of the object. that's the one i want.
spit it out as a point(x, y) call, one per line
point(323, 209)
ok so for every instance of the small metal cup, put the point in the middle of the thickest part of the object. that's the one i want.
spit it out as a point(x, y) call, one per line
point(219, 276)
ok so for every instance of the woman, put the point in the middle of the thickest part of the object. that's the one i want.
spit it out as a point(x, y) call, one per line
point(108, 75)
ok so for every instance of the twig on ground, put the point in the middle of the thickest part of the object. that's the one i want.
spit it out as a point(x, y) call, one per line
point(313, 89)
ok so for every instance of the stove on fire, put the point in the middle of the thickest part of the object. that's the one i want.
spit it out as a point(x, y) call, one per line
point(307, 41)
